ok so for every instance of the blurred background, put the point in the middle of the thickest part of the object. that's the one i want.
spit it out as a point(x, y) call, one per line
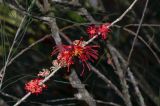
point(72, 23)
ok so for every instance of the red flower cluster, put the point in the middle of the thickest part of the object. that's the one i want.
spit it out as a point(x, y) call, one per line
point(92, 30)
point(101, 30)
point(64, 57)
point(34, 87)
point(77, 49)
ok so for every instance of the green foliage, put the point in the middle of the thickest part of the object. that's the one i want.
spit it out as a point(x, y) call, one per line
point(73, 15)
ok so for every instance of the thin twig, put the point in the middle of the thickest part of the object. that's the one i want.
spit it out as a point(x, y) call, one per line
point(66, 3)
point(26, 49)
point(143, 83)
point(121, 17)
point(130, 74)
point(91, 40)
point(8, 95)
point(135, 38)
point(143, 25)
point(15, 98)
point(14, 41)
point(44, 80)
point(88, 16)
point(143, 41)
point(136, 88)
point(59, 100)
point(22, 99)
point(70, 99)
point(82, 92)
point(121, 76)
point(107, 81)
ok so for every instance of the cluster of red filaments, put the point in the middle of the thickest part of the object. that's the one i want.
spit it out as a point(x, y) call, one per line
point(77, 49)
point(101, 30)
point(34, 86)
point(66, 56)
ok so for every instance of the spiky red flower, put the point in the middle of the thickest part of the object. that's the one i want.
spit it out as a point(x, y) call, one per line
point(92, 30)
point(77, 49)
point(34, 86)
point(65, 58)
point(103, 30)
point(84, 53)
